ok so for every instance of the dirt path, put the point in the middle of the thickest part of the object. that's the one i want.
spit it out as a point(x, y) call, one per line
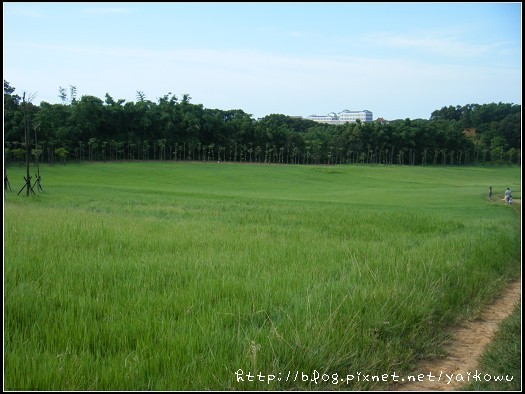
point(467, 344)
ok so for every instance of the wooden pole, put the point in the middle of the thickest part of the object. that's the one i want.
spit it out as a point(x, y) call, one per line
point(28, 183)
point(28, 149)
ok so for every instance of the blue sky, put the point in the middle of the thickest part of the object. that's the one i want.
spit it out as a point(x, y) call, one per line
point(398, 60)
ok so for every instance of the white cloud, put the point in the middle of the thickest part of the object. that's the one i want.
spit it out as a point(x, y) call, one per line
point(106, 11)
point(432, 43)
point(23, 10)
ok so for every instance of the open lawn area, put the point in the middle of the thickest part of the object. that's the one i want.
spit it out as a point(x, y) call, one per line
point(208, 276)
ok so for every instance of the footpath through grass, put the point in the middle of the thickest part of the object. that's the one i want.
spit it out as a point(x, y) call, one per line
point(500, 366)
point(178, 276)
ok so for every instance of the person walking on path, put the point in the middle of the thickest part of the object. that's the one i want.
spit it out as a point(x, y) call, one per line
point(507, 196)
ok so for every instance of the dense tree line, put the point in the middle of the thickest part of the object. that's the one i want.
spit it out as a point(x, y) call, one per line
point(91, 129)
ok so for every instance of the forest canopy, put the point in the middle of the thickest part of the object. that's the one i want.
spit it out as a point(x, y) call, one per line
point(173, 128)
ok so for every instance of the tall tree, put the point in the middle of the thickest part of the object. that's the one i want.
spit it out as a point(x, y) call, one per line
point(62, 94)
point(13, 114)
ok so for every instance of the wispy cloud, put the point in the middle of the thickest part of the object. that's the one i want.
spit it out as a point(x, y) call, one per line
point(24, 10)
point(107, 11)
point(244, 62)
point(436, 44)
point(36, 11)
point(298, 34)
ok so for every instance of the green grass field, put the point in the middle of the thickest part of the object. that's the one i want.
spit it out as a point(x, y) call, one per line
point(175, 276)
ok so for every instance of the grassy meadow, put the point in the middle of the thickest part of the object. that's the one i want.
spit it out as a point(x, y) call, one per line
point(174, 276)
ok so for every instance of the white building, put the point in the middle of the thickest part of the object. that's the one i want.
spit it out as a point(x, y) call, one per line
point(343, 117)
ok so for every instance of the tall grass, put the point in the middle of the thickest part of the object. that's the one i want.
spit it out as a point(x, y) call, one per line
point(151, 276)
